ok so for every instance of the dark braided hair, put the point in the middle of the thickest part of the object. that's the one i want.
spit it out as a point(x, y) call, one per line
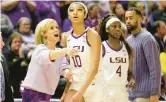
point(104, 34)
point(102, 30)
point(128, 47)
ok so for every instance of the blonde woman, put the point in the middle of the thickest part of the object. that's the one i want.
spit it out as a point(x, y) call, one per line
point(47, 64)
point(84, 65)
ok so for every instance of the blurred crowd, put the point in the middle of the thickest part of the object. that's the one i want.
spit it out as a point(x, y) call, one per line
point(19, 19)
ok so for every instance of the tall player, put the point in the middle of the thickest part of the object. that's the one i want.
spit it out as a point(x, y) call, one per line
point(116, 61)
point(84, 65)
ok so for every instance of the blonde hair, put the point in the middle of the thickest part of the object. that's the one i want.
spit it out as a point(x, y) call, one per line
point(41, 28)
point(139, 5)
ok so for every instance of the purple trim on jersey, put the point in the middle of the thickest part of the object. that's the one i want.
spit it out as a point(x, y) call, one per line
point(103, 48)
point(113, 48)
point(87, 39)
point(76, 37)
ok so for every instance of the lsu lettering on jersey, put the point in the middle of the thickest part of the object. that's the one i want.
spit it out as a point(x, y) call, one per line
point(115, 64)
point(79, 63)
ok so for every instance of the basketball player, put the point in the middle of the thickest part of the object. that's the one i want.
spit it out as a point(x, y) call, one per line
point(116, 61)
point(84, 65)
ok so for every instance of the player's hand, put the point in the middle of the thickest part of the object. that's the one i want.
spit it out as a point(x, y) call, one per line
point(71, 52)
point(154, 98)
point(76, 97)
point(63, 97)
point(68, 75)
point(132, 83)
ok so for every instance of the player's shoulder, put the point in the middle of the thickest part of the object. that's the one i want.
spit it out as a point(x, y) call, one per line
point(66, 34)
point(92, 32)
point(104, 42)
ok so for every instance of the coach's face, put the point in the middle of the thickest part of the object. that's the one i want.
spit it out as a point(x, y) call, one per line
point(131, 20)
point(1, 43)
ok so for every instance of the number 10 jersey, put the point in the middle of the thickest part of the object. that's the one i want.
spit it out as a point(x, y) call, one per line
point(79, 63)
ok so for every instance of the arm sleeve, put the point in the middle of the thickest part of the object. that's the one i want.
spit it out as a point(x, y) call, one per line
point(41, 55)
point(151, 52)
point(63, 64)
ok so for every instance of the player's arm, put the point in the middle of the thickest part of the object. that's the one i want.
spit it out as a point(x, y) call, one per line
point(8, 5)
point(95, 43)
point(31, 5)
point(65, 91)
point(130, 71)
point(131, 79)
point(67, 87)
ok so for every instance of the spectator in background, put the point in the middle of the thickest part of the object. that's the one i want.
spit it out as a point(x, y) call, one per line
point(112, 5)
point(163, 58)
point(5, 86)
point(152, 6)
point(16, 62)
point(6, 29)
point(103, 8)
point(119, 12)
point(15, 9)
point(163, 66)
point(93, 15)
point(141, 6)
point(24, 28)
point(146, 64)
point(159, 14)
point(66, 25)
point(48, 9)
point(63, 8)
point(160, 28)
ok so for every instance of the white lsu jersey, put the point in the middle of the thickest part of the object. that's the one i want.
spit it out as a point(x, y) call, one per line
point(79, 63)
point(115, 64)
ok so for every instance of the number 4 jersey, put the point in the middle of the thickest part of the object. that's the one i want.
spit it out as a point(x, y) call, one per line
point(115, 64)
point(79, 63)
